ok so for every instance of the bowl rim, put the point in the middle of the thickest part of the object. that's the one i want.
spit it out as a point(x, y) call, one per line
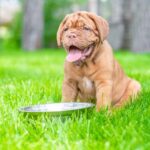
point(86, 105)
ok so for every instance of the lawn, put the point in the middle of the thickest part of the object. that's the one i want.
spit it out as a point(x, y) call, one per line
point(31, 78)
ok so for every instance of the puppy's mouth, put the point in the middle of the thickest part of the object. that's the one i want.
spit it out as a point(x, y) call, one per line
point(77, 54)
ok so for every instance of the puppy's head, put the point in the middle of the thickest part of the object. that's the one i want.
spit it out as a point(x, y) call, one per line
point(79, 32)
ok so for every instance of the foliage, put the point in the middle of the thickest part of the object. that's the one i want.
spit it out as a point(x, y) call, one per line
point(53, 13)
point(26, 79)
point(15, 31)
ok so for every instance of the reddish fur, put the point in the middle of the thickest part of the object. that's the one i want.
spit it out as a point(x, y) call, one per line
point(110, 85)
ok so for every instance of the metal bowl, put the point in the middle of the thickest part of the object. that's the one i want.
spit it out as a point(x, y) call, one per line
point(55, 109)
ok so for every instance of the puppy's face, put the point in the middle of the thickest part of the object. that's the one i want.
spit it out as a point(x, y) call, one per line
point(79, 33)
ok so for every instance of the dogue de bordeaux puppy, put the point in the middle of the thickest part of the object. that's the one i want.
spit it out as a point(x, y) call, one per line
point(91, 73)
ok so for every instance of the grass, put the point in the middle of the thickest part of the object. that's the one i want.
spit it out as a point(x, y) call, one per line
point(31, 78)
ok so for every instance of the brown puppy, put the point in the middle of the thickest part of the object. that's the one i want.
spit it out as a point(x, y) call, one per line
point(91, 72)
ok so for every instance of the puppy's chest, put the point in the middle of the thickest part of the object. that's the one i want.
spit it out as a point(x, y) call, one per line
point(86, 85)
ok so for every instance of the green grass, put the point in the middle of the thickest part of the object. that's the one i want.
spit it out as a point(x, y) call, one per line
point(32, 78)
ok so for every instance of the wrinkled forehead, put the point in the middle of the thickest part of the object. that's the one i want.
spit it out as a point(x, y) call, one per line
point(79, 20)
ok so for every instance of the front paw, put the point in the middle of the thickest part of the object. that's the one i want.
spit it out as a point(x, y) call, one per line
point(104, 106)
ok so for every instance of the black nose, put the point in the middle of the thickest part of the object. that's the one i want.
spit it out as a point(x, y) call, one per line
point(72, 36)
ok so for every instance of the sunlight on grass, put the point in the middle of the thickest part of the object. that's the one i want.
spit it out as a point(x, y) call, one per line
point(33, 78)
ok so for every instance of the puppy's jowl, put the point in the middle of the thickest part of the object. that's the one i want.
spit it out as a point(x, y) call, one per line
point(91, 73)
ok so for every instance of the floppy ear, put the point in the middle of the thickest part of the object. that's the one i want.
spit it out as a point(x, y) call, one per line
point(60, 31)
point(101, 25)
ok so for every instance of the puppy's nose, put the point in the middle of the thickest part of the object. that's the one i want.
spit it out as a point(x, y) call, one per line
point(72, 36)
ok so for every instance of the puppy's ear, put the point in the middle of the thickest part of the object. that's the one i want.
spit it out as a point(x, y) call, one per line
point(60, 31)
point(101, 25)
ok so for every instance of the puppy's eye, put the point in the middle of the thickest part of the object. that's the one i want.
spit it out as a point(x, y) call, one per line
point(65, 29)
point(87, 28)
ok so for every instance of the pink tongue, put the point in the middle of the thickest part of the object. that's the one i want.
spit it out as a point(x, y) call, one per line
point(74, 55)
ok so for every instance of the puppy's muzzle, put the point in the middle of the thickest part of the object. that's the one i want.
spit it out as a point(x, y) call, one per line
point(72, 36)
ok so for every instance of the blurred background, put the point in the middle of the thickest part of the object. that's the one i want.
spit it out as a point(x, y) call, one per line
point(32, 24)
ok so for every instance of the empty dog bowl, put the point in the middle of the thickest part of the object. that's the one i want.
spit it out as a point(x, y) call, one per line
point(57, 108)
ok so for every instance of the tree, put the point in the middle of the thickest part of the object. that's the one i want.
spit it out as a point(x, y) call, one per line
point(127, 17)
point(32, 24)
point(93, 6)
point(115, 23)
point(132, 16)
point(140, 26)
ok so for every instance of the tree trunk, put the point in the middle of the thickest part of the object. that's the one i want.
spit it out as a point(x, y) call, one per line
point(141, 26)
point(116, 24)
point(127, 17)
point(75, 7)
point(93, 6)
point(32, 25)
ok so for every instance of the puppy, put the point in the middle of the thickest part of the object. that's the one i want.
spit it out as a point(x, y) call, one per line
point(91, 73)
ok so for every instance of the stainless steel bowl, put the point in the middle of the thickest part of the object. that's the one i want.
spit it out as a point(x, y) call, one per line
point(55, 109)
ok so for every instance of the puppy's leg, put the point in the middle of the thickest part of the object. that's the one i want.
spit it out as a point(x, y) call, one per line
point(131, 93)
point(69, 90)
point(103, 93)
